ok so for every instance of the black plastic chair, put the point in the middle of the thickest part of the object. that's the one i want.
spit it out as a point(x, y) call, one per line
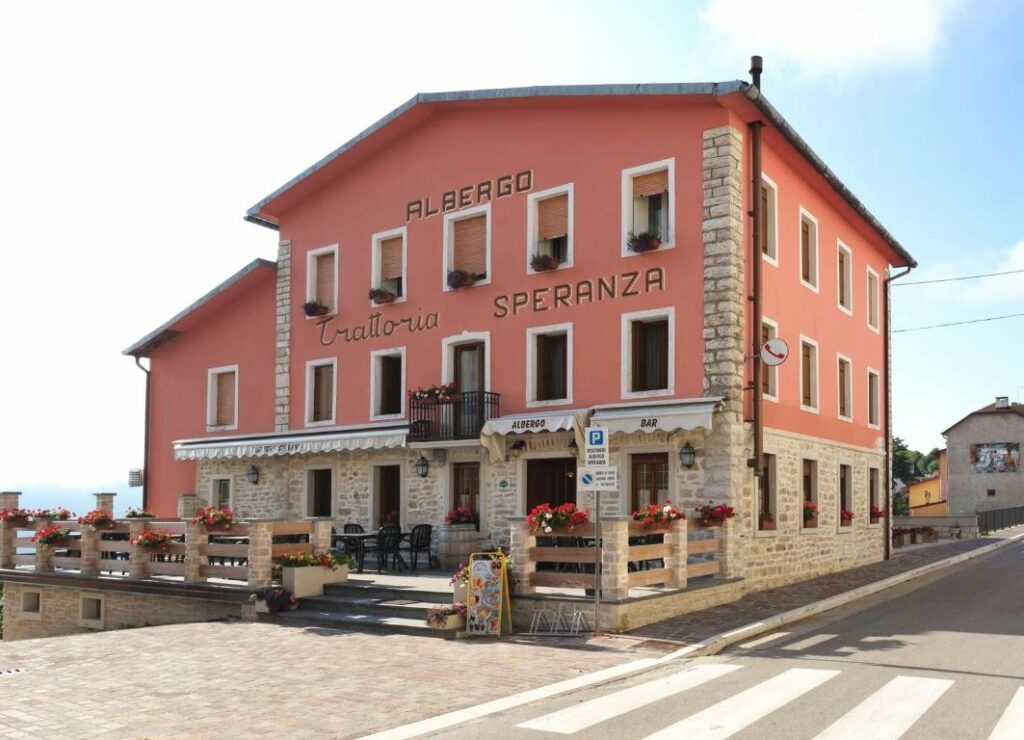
point(389, 540)
point(419, 541)
point(349, 545)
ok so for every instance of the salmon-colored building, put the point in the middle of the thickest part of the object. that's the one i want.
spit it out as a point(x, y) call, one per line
point(464, 286)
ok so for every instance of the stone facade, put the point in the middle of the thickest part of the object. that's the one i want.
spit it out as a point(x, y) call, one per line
point(282, 337)
point(60, 611)
point(968, 492)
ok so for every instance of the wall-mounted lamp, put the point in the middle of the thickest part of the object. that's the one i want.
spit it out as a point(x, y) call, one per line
point(517, 447)
point(422, 467)
point(253, 476)
point(687, 456)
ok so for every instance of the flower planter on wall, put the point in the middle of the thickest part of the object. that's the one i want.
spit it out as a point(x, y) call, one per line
point(811, 523)
point(310, 580)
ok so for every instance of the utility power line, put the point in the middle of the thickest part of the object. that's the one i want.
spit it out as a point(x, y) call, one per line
point(958, 323)
point(898, 284)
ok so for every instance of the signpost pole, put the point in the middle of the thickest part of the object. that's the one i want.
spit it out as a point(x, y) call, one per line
point(598, 547)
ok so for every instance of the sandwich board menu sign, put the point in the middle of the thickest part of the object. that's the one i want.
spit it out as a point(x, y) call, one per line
point(488, 609)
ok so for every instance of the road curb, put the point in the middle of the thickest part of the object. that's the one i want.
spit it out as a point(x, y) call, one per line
point(717, 643)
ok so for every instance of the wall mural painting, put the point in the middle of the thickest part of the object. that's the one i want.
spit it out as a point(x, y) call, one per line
point(995, 457)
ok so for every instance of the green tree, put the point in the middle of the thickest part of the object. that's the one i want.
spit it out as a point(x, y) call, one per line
point(903, 467)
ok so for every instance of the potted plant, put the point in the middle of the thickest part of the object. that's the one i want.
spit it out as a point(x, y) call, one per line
point(654, 515)
point(810, 515)
point(304, 574)
point(382, 295)
point(544, 262)
point(15, 517)
point(139, 514)
point(53, 536)
point(561, 518)
point(98, 519)
point(462, 515)
point(766, 521)
point(646, 241)
point(59, 514)
point(155, 541)
point(712, 515)
point(442, 392)
point(447, 617)
point(315, 308)
point(463, 278)
point(845, 518)
point(877, 514)
point(460, 584)
point(214, 519)
point(273, 599)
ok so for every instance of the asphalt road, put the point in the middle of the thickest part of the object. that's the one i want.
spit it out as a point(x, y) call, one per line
point(942, 657)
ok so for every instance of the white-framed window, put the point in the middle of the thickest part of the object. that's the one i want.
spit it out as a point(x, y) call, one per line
point(549, 365)
point(321, 386)
point(874, 401)
point(220, 493)
point(91, 610)
point(320, 492)
point(845, 498)
point(809, 492)
point(873, 298)
point(649, 204)
point(322, 280)
point(770, 227)
point(222, 398)
point(808, 250)
point(387, 384)
point(844, 277)
point(466, 361)
point(648, 353)
point(769, 373)
point(388, 266)
point(31, 604)
point(549, 222)
point(844, 387)
point(467, 246)
point(808, 374)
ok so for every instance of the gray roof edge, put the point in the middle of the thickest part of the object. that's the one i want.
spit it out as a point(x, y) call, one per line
point(508, 93)
point(141, 347)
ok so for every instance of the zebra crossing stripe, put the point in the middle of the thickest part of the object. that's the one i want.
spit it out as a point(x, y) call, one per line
point(763, 640)
point(728, 717)
point(890, 711)
point(809, 642)
point(1011, 724)
point(589, 713)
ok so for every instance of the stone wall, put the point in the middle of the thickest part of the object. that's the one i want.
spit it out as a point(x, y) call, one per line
point(969, 492)
point(282, 338)
point(60, 611)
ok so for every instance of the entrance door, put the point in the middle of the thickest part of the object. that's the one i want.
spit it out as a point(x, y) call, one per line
point(551, 481)
point(648, 479)
point(389, 494)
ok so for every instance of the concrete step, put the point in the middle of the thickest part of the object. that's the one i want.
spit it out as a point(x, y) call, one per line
point(354, 589)
point(359, 623)
point(403, 605)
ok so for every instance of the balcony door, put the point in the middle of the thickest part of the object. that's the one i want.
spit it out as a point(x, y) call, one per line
point(469, 381)
point(550, 481)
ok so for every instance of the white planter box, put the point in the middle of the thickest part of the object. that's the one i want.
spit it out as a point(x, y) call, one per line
point(452, 622)
point(310, 581)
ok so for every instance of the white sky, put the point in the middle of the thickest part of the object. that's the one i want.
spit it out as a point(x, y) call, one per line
point(133, 136)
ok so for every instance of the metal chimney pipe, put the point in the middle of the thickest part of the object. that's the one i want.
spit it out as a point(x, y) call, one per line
point(756, 67)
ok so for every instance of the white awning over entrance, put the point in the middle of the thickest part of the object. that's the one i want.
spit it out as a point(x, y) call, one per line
point(290, 444)
point(493, 433)
point(660, 416)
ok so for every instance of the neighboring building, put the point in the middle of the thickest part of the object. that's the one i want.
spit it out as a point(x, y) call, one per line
point(984, 465)
point(453, 207)
point(925, 497)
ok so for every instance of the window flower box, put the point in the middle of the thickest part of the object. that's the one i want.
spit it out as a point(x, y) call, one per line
point(315, 308)
point(810, 512)
point(643, 242)
point(463, 279)
point(544, 263)
point(845, 518)
point(877, 514)
point(712, 515)
point(766, 522)
point(381, 295)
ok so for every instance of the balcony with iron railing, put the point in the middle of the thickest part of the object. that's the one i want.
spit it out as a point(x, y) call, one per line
point(460, 416)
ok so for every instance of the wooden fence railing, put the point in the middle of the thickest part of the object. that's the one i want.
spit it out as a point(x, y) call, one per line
point(243, 553)
point(631, 556)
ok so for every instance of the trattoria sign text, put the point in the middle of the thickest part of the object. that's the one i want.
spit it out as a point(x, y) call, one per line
point(375, 327)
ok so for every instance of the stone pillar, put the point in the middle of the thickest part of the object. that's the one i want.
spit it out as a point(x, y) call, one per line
point(105, 501)
point(90, 563)
point(321, 537)
point(9, 499)
point(44, 558)
point(727, 477)
point(138, 556)
point(188, 505)
point(283, 337)
point(615, 558)
point(196, 538)
point(521, 542)
point(677, 539)
point(7, 549)
point(261, 546)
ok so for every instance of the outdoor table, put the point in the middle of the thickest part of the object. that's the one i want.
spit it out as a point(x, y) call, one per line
point(359, 539)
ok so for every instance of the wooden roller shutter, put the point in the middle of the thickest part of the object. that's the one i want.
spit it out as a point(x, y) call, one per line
point(766, 370)
point(650, 183)
point(225, 415)
point(808, 381)
point(764, 219)
point(324, 286)
point(553, 217)
point(391, 258)
point(470, 245)
point(805, 251)
point(323, 393)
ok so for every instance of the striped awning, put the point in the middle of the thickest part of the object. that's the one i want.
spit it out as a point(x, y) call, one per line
point(663, 416)
point(290, 444)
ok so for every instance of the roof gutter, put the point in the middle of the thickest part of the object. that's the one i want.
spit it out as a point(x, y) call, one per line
point(789, 134)
point(253, 219)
